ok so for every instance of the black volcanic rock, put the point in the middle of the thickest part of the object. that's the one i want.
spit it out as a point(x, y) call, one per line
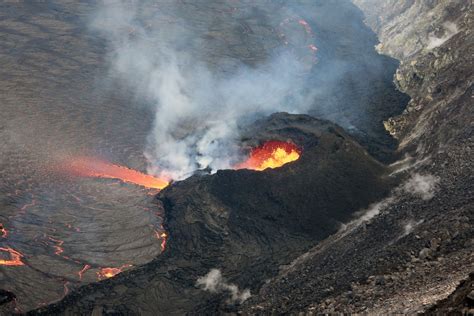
point(6, 297)
point(460, 301)
point(7, 302)
point(245, 223)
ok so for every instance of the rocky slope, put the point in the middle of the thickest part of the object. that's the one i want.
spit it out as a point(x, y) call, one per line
point(418, 249)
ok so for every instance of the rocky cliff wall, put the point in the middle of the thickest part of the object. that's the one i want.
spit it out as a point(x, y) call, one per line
point(434, 42)
point(408, 253)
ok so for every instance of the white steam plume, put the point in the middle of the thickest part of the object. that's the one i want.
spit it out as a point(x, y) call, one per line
point(410, 226)
point(422, 185)
point(450, 29)
point(215, 283)
point(197, 111)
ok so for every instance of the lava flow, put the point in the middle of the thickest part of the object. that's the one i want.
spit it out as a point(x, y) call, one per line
point(93, 167)
point(105, 273)
point(15, 257)
point(272, 154)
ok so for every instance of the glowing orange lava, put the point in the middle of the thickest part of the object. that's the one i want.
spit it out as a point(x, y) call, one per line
point(105, 273)
point(3, 231)
point(15, 257)
point(272, 154)
point(162, 236)
point(93, 167)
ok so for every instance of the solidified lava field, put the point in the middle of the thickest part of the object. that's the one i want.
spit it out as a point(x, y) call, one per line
point(59, 102)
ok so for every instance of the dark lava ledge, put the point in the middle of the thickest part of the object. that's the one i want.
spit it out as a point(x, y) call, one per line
point(245, 223)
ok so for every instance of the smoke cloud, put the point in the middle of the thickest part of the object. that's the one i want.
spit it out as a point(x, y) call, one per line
point(207, 70)
point(215, 283)
point(198, 110)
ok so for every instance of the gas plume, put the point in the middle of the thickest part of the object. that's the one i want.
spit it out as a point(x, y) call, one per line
point(423, 186)
point(215, 283)
point(198, 110)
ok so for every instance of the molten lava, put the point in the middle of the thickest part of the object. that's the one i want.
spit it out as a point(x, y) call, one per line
point(272, 154)
point(92, 167)
point(162, 236)
point(105, 273)
point(15, 257)
point(3, 231)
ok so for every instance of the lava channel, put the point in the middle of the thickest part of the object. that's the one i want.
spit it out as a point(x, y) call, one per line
point(272, 154)
point(93, 167)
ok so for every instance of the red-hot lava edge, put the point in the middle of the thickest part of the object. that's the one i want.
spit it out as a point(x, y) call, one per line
point(98, 168)
point(271, 154)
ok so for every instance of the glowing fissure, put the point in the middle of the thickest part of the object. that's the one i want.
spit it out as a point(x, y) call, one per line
point(163, 236)
point(272, 154)
point(83, 270)
point(93, 167)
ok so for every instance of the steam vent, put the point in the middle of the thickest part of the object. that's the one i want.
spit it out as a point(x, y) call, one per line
point(224, 157)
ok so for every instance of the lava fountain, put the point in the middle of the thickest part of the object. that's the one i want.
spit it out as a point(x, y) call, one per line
point(272, 154)
point(94, 167)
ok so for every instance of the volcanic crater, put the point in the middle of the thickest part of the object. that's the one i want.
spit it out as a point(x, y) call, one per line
point(85, 230)
point(71, 219)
